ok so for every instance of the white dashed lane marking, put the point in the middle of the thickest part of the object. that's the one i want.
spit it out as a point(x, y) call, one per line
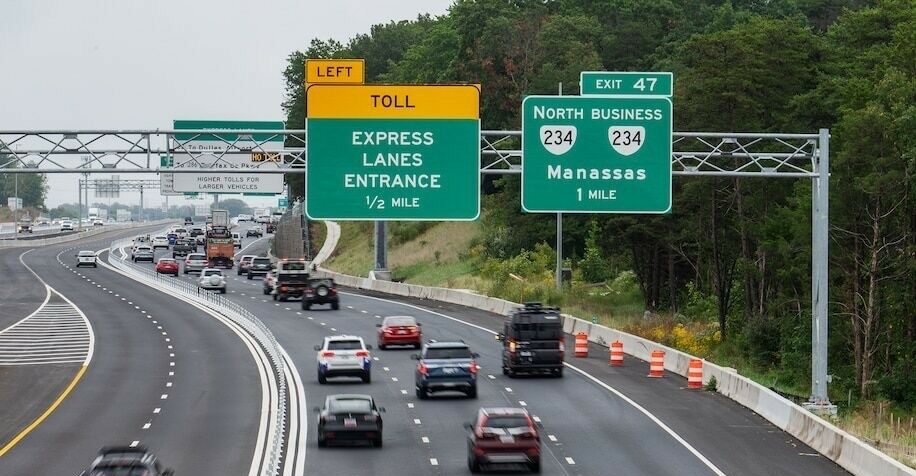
point(552, 438)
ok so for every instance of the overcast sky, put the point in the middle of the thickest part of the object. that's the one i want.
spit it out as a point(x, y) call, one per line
point(139, 64)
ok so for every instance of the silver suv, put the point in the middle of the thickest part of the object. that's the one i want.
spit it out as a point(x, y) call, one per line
point(212, 279)
point(195, 263)
point(344, 356)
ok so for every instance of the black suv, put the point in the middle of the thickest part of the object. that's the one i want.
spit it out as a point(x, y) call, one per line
point(320, 291)
point(533, 340)
point(126, 460)
point(446, 366)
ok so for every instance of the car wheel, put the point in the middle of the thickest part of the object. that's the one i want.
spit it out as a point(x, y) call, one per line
point(185, 271)
point(367, 377)
point(377, 442)
point(509, 372)
point(382, 346)
point(250, 276)
point(266, 292)
point(275, 297)
point(422, 394)
point(322, 441)
point(322, 378)
point(222, 291)
point(335, 306)
point(472, 393)
point(473, 465)
point(95, 265)
point(558, 373)
point(239, 273)
point(306, 305)
point(535, 466)
point(282, 297)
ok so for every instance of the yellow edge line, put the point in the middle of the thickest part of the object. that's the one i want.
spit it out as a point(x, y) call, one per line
point(47, 412)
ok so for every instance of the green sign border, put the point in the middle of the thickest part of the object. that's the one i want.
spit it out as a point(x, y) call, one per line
point(608, 212)
point(230, 126)
point(668, 94)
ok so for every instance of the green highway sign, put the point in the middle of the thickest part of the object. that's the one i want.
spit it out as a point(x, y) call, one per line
point(393, 152)
point(594, 154)
point(283, 202)
point(620, 83)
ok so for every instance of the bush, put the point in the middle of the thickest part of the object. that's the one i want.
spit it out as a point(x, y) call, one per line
point(404, 231)
point(595, 267)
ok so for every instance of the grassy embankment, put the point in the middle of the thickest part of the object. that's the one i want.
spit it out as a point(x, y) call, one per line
point(447, 255)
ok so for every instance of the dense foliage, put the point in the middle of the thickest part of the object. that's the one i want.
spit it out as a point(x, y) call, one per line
point(32, 188)
point(742, 245)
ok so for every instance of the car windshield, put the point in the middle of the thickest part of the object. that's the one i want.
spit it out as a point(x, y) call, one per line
point(213, 272)
point(350, 405)
point(507, 421)
point(400, 321)
point(538, 331)
point(448, 353)
point(86, 253)
point(345, 345)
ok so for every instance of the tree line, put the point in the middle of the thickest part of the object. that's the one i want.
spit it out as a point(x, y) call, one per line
point(743, 243)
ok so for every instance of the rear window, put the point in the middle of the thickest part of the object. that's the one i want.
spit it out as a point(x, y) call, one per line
point(144, 248)
point(246, 259)
point(120, 470)
point(260, 261)
point(293, 278)
point(506, 421)
point(350, 405)
point(213, 272)
point(181, 230)
point(538, 331)
point(160, 237)
point(294, 266)
point(86, 253)
point(345, 345)
point(448, 353)
point(400, 321)
point(197, 256)
point(166, 260)
point(321, 282)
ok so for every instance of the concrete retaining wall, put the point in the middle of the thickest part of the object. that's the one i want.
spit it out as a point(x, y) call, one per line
point(845, 449)
point(75, 236)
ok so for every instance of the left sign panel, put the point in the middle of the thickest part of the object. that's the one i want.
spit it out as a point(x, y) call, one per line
point(227, 150)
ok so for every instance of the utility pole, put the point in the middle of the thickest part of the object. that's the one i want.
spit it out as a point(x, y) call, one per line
point(559, 272)
point(16, 211)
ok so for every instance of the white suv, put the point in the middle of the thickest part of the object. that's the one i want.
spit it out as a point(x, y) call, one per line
point(85, 258)
point(160, 242)
point(66, 225)
point(344, 356)
point(213, 280)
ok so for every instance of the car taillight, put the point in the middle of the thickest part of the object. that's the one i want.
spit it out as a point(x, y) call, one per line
point(562, 344)
point(512, 346)
point(473, 368)
point(412, 328)
point(388, 330)
point(370, 417)
point(362, 353)
point(330, 418)
point(282, 288)
point(327, 353)
point(423, 369)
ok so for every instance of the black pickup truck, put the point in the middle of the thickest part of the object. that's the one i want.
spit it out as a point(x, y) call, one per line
point(183, 247)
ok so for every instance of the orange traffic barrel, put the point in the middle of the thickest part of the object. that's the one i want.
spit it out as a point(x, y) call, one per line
point(657, 364)
point(695, 374)
point(616, 358)
point(581, 344)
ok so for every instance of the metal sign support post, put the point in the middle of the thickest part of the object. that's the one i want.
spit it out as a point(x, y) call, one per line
point(820, 236)
point(559, 272)
point(381, 251)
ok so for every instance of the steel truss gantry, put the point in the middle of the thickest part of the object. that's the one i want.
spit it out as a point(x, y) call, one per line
point(715, 154)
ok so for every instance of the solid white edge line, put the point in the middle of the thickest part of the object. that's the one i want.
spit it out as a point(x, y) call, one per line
point(266, 424)
point(594, 379)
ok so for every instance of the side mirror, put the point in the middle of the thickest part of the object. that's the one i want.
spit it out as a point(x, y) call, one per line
point(419, 324)
point(415, 356)
point(317, 347)
point(382, 409)
point(475, 355)
point(368, 347)
point(378, 325)
point(316, 410)
point(168, 472)
point(468, 426)
point(500, 337)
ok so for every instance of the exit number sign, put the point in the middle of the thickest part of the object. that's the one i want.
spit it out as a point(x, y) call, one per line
point(626, 83)
point(393, 152)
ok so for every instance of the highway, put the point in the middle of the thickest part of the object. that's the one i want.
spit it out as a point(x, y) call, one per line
point(652, 427)
point(163, 374)
point(168, 375)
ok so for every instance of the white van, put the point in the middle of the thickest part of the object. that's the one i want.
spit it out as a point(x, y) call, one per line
point(236, 239)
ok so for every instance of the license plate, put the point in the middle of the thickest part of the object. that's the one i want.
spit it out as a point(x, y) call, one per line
point(402, 332)
point(449, 370)
point(525, 354)
point(350, 422)
point(507, 439)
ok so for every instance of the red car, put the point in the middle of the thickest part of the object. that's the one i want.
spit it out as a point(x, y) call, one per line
point(503, 436)
point(399, 330)
point(167, 266)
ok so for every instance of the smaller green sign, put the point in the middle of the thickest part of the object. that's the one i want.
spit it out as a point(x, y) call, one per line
point(283, 202)
point(166, 161)
point(617, 83)
point(190, 194)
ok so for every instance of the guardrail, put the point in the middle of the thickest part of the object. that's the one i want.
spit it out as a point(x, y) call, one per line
point(851, 453)
point(10, 243)
point(238, 315)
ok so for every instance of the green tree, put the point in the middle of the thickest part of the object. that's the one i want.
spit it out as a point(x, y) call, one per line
point(234, 206)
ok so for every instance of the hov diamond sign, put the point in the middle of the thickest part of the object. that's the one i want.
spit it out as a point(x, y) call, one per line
point(393, 152)
point(596, 154)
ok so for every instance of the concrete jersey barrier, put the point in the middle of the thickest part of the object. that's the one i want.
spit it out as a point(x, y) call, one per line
point(851, 453)
point(74, 236)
